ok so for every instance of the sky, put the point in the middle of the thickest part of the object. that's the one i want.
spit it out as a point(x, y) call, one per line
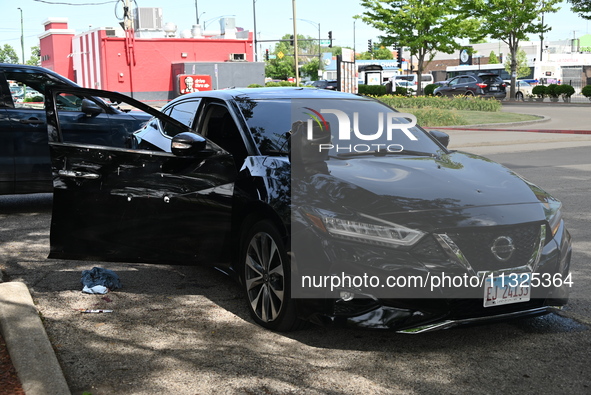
point(273, 18)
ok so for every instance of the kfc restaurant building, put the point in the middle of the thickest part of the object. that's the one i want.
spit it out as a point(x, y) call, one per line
point(151, 64)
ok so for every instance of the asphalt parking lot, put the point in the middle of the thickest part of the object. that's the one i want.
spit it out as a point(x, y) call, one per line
point(186, 330)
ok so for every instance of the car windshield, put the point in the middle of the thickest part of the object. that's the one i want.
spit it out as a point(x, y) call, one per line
point(356, 126)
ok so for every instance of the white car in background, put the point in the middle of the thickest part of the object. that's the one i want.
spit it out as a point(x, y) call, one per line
point(522, 89)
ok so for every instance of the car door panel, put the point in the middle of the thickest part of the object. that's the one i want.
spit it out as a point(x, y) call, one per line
point(126, 204)
point(6, 154)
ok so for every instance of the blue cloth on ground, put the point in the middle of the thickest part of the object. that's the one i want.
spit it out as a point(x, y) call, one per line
point(99, 276)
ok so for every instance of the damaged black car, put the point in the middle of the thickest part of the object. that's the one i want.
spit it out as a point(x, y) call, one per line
point(327, 207)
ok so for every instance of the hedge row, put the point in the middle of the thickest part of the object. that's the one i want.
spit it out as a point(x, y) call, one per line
point(444, 103)
point(428, 117)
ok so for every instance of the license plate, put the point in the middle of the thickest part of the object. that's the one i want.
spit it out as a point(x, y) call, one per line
point(502, 290)
point(493, 88)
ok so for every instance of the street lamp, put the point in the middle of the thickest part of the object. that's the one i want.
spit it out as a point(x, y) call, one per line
point(22, 35)
point(354, 35)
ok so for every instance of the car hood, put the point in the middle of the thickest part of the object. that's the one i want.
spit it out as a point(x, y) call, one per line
point(424, 191)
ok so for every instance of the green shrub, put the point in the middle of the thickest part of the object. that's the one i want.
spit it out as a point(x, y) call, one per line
point(401, 91)
point(444, 103)
point(539, 91)
point(586, 91)
point(565, 90)
point(279, 83)
point(372, 90)
point(551, 90)
point(428, 91)
point(34, 99)
point(428, 117)
point(254, 86)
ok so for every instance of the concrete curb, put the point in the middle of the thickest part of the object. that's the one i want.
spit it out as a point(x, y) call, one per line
point(487, 126)
point(27, 342)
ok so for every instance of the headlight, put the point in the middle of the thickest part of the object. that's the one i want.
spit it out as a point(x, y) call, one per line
point(553, 211)
point(379, 232)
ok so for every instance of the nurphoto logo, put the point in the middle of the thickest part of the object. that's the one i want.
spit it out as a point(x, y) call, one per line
point(390, 124)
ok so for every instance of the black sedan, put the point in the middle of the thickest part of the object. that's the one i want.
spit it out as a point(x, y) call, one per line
point(327, 207)
point(483, 85)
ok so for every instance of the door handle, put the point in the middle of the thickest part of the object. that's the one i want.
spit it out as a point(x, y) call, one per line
point(32, 121)
point(78, 174)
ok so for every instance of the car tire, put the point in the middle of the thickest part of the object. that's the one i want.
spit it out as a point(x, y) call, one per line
point(438, 94)
point(469, 94)
point(519, 96)
point(266, 278)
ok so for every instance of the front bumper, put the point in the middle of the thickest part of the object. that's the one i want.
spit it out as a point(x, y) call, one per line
point(418, 312)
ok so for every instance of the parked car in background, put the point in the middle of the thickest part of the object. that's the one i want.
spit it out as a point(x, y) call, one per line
point(426, 79)
point(483, 84)
point(392, 84)
point(24, 153)
point(276, 186)
point(326, 84)
point(523, 89)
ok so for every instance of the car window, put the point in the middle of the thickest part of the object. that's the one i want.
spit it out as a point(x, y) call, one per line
point(27, 88)
point(466, 80)
point(491, 79)
point(270, 123)
point(454, 81)
point(184, 112)
point(219, 126)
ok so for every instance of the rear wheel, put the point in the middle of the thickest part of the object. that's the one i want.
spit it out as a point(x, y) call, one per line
point(267, 278)
point(519, 96)
point(469, 94)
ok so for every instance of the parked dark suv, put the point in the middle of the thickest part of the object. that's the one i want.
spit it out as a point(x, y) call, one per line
point(24, 152)
point(484, 84)
point(325, 84)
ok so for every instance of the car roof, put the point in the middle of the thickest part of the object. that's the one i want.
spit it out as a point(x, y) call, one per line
point(14, 66)
point(274, 93)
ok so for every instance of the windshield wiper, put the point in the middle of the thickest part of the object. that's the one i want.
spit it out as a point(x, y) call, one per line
point(386, 152)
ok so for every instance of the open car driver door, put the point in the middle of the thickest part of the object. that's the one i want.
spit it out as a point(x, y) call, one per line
point(115, 200)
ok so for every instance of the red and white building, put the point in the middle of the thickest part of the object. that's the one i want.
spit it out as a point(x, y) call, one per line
point(149, 64)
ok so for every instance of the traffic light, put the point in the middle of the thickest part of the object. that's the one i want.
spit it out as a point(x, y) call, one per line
point(266, 54)
point(291, 40)
point(369, 46)
point(399, 57)
point(330, 38)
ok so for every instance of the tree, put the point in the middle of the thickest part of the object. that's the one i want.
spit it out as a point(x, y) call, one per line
point(523, 69)
point(582, 7)
point(35, 58)
point(511, 21)
point(425, 27)
point(310, 69)
point(492, 58)
point(381, 53)
point(8, 54)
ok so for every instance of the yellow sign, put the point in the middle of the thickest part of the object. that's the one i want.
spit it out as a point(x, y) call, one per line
point(280, 55)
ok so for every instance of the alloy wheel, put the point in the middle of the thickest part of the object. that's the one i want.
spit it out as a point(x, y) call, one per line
point(264, 277)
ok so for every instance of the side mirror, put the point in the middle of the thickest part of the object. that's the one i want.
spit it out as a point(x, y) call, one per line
point(187, 144)
point(90, 108)
point(442, 137)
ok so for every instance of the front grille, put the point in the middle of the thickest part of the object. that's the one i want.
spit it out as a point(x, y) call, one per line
point(477, 245)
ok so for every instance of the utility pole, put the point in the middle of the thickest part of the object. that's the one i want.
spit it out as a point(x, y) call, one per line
point(254, 15)
point(22, 36)
point(295, 43)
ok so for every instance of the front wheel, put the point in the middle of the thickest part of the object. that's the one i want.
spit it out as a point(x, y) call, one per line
point(267, 278)
point(519, 96)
